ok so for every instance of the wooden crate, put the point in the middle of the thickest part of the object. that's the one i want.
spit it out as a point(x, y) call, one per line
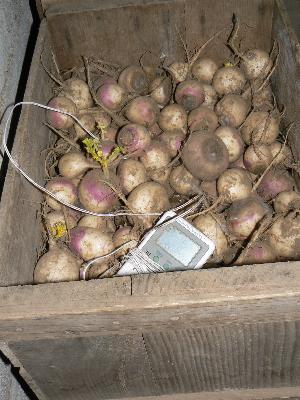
point(227, 333)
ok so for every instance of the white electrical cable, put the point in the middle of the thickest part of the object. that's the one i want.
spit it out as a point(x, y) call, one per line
point(46, 191)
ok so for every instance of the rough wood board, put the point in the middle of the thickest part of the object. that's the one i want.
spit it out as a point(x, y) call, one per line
point(131, 27)
point(87, 308)
point(167, 362)
point(287, 393)
point(255, 20)
point(20, 225)
point(102, 367)
point(218, 357)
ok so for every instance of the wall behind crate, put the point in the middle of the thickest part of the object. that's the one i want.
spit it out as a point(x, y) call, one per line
point(16, 28)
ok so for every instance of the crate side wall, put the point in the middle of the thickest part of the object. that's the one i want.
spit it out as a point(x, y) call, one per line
point(20, 228)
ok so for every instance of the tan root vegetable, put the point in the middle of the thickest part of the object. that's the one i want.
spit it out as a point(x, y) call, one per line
point(64, 189)
point(156, 159)
point(173, 140)
point(275, 182)
point(211, 96)
point(149, 197)
point(258, 253)
point(232, 110)
point(131, 174)
point(88, 121)
point(89, 243)
point(256, 64)
point(57, 119)
point(260, 127)
point(205, 156)
point(161, 90)
point(104, 224)
point(133, 79)
point(124, 235)
point(283, 156)
point(204, 69)
point(284, 237)
point(57, 265)
point(234, 184)
point(202, 119)
point(173, 117)
point(74, 164)
point(286, 201)
point(229, 80)
point(244, 215)
point(257, 158)
point(79, 92)
point(232, 140)
point(183, 182)
point(58, 223)
point(212, 229)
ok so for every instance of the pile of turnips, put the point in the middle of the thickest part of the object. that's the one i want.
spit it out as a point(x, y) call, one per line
point(163, 136)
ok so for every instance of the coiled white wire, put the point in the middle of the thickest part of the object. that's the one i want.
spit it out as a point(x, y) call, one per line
point(46, 191)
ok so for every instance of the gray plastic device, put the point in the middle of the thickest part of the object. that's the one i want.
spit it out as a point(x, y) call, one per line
point(177, 245)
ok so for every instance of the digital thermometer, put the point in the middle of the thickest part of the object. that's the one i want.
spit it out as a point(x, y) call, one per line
point(175, 246)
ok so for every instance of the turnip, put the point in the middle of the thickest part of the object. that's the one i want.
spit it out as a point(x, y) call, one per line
point(232, 110)
point(179, 71)
point(57, 265)
point(56, 222)
point(149, 197)
point(257, 158)
point(204, 69)
point(256, 64)
point(234, 184)
point(78, 91)
point(205, 156)
point(210, 96)
point(283, 155)
point(104, 224)
point(189, 94)
point(94, 194)
point(161, 90)
point(173, 140)
point(258, 253)
point(173, 117)
point(133, 80)
point(110, 133)
point(209, 226)
point(155, 130)
point(133, 137)
point(260, 127)
point(102, 119)
point(286, 201)
point(131, 174)
point(275, 182)
point(263, 99)
point(232, 140)
point(202, 119)
point(183, 182)
point(284, 237)
point(74, 164)
point(229, 80)
point(123, 235)
point(88, 121)
point(209, 188)
point(156, 159)
point(64, 189)
point(89, 243)
point(142, 110)
point(59, 120)
point(111, 96)
point(244, 215)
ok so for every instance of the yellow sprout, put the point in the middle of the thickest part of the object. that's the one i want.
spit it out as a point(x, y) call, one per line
point(93, 147)
point(58, 230)
point(228, 64)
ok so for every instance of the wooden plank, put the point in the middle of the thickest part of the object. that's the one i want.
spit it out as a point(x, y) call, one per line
point(82, 308)
point(287, 393)
point(255, 20)
point(103, 367)
point(131, 27)
point(20, 234)
point(165, 362)
point(205, 359)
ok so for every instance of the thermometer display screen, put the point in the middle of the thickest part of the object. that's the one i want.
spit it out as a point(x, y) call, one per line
point(178, 245)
